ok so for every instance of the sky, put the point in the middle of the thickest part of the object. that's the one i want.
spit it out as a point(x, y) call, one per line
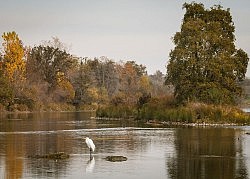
point(139, 30)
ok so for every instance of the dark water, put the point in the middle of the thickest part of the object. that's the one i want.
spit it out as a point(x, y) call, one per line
point(152, 153)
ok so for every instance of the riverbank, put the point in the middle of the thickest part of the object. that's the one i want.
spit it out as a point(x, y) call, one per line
point(154, 123)
point(39, 107)
point(49, 107)
point(159, 112)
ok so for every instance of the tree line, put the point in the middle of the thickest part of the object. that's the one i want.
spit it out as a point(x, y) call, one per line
point(46, 76)
point(204, 67)
point(205, 70)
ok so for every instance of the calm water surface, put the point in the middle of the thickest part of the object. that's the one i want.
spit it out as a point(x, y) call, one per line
point(156, 153)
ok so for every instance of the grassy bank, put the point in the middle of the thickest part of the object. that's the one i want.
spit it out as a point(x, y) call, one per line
point(165, 110)
point(196, 113)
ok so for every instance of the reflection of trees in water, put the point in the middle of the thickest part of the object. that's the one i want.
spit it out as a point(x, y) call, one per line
point(16, 147)
point(13, 156)
point(207, 153)
point(51, 142)
point(12, 146)
point(46, 144)
point(46, 167)
point(241, 168)
point(121, 142)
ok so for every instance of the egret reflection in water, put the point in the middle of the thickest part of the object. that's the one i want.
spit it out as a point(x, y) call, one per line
point(90, 165)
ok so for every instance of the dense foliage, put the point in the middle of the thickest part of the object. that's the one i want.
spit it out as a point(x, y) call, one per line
point(204, 71)
point(48, 77)
point(49, 64)
point(205, 65)
point(6, 93)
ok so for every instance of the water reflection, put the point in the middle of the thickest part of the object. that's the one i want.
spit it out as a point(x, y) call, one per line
point(13, 159)
point(151, 153)
point(90, 165)
point(207, 153)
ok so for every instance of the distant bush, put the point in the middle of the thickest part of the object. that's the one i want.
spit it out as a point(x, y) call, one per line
point(178, 114)
point(120, 111)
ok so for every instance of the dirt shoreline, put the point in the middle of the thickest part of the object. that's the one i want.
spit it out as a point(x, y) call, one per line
point(157, 123)
point(192, 124)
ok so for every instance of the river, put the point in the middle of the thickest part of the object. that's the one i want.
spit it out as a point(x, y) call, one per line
point(170, 152)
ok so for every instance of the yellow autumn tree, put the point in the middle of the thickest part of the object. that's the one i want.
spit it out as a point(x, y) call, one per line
point(65, 85)
point(13, 56)
point(129, 83)
point(145, 86)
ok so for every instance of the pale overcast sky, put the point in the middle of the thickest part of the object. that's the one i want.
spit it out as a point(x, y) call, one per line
point(139, 30)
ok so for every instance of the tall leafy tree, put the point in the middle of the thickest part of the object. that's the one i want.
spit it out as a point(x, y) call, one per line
point(133, 82)
point(205, 64)
point(105, 73)
point(13, 56)
point(50, 64)
point(82, 82)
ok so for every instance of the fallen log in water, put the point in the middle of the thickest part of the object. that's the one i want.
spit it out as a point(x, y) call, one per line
point(55, 156)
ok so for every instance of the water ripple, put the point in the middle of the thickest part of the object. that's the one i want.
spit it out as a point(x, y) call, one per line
point(80, 130)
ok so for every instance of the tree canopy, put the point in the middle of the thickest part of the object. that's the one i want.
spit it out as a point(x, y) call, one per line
point(48, 77)
point(50, 64)
point(205, 65)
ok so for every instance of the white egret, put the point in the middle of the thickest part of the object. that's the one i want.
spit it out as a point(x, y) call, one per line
point(90, 145)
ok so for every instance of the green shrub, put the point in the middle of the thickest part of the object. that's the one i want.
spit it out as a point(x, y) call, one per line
point(116, 111)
